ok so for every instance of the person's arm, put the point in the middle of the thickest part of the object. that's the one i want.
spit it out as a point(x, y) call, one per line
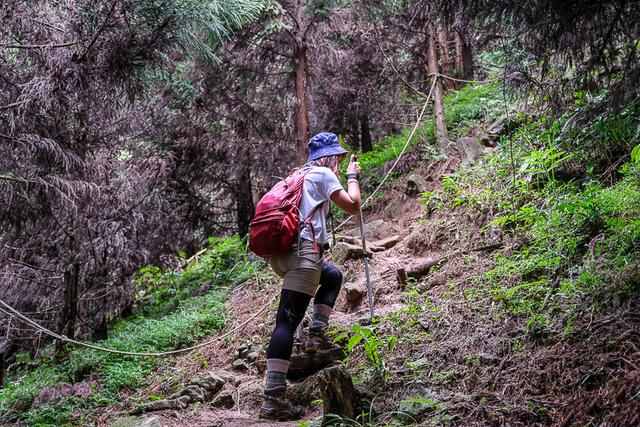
point(349, 201)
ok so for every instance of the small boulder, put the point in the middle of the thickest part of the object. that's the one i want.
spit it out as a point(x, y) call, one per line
point(469, 149)
point(368, 227)
point(307, 390)
point(243, 350)
point(415, 184)
point(137, 422)
point(396, 208)
point(251, 393)
point(195, 393)
point(344, 251)
point(497, 128)
point(354, 290)
point(487, 141)
point(374, 248)
point(227, 377)
point(239, 365)
point(224, 399)
point(387, 243)
point(62, 391)
point(57, 393)
point(180, 402)
point(211, 382)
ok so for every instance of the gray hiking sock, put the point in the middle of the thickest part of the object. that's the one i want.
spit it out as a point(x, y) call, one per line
point(276, 381)
point(276, 376)
point(320, 318)
point(319, 321)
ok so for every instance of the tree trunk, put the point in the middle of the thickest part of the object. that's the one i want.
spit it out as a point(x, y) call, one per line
point(365, 134)
point(443, 44)
point(7, 349)
point(458, 63)
point(243, 194)
point(301, 109)
point(3, 369)
point(438, 101)
point(464, 55)
point(70, 309)
point(101, 331)
point(467, 61)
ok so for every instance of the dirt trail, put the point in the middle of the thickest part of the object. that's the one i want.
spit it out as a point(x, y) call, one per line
point(400, 215)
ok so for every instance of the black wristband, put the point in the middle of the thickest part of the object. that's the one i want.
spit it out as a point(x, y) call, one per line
point(353, 176)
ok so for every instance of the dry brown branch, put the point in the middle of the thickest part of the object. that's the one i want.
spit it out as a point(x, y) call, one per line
point(38, 46)
point(12, 105)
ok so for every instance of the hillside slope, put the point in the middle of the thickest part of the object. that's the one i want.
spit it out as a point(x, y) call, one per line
point(522, 308)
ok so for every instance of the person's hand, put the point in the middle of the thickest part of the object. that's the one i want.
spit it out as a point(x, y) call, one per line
point(354, 165)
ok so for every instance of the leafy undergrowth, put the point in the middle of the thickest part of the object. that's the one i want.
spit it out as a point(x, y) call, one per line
point(577, 234)
point(543, 330)
point(176, 309)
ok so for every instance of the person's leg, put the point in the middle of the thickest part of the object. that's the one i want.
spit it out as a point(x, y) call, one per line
point(301, 268)
point(325, 299)
point(291, 311)
point(323, 303)
point(292, 308)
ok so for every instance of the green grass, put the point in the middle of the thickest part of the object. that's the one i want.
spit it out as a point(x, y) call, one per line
point(471, 105)
point(389, 148)
point(159, 291)
point(189, 321)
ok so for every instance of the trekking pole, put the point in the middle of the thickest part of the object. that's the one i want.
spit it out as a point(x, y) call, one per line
point(366, 261)
point(366, 266)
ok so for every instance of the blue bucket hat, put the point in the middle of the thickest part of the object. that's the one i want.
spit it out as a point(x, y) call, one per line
point(324, 144)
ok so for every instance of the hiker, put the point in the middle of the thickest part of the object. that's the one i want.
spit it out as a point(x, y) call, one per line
point(305, 273)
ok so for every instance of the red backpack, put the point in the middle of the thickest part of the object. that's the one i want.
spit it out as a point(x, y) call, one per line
point(277, 221)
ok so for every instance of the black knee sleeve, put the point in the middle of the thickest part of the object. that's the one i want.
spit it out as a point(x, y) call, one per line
point(330, 284)
point(291, 311)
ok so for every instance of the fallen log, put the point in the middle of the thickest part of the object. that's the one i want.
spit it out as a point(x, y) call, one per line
point(387, 243)
point(423, 267)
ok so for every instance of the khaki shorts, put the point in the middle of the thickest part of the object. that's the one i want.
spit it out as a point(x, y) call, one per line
point(299, 268)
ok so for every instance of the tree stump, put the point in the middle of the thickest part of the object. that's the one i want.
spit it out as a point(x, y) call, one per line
point(304, 364)
point(339, 396)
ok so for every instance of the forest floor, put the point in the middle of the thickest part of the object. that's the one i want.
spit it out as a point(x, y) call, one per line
point(458, 358)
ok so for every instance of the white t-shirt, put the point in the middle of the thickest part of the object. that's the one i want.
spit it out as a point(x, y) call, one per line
point(319, 183)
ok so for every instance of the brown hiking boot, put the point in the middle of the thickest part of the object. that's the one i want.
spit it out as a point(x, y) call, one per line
point(317, 340)
point(276, 407)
